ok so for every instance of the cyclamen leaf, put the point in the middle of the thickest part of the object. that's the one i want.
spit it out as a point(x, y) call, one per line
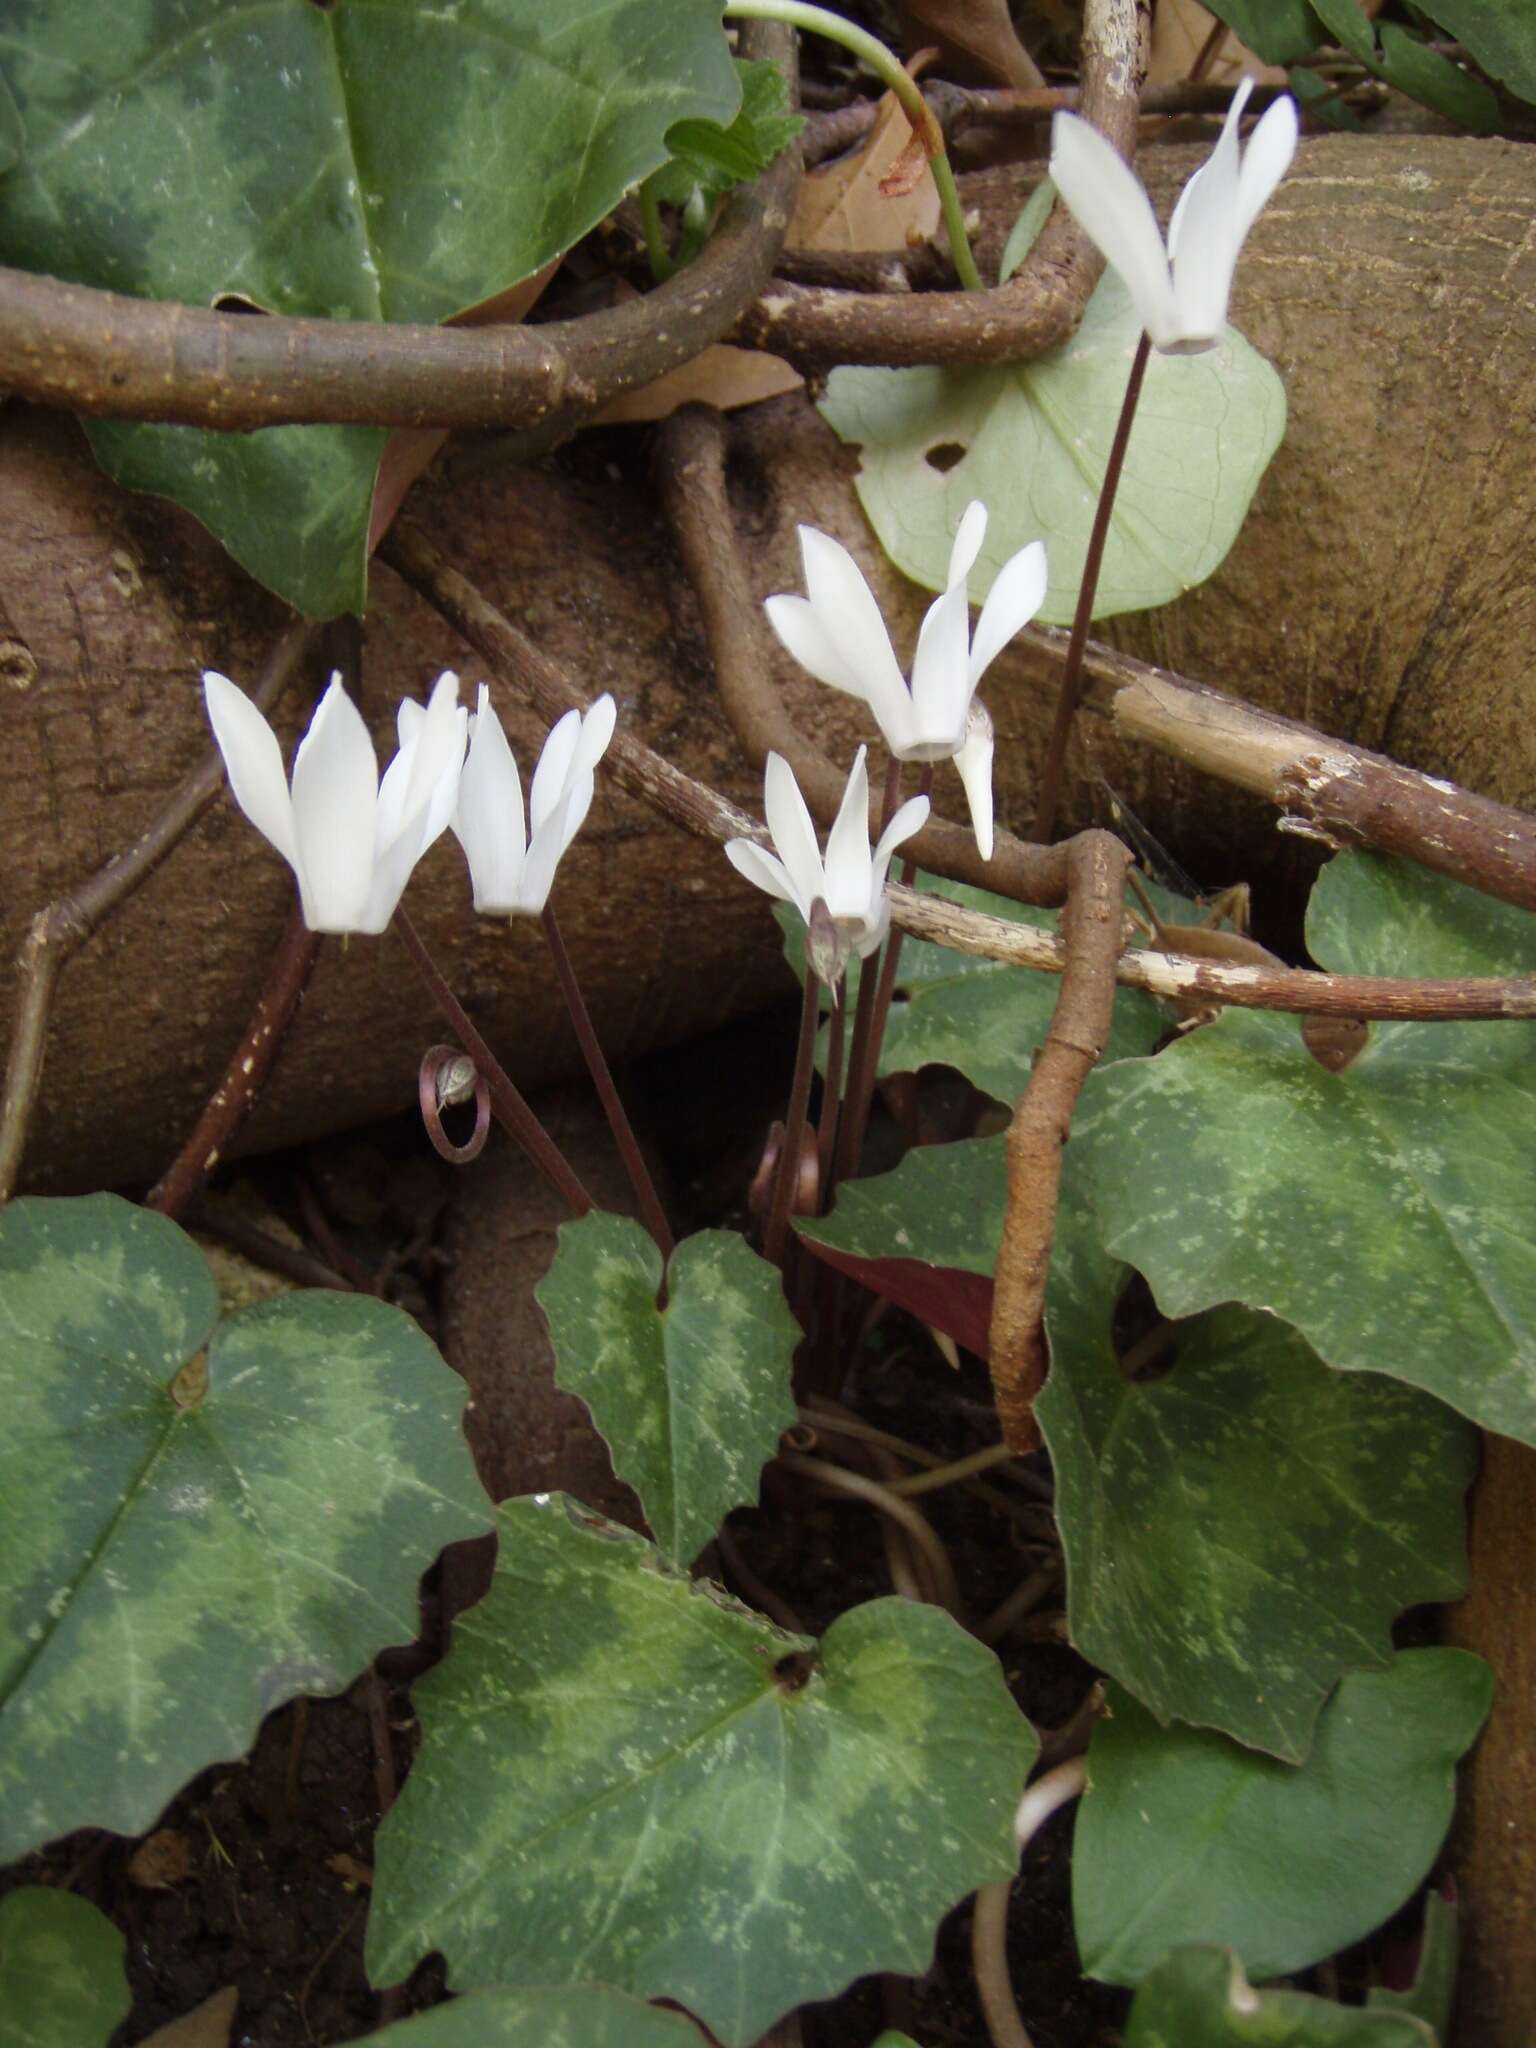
point(62, 1982)
point(583, 2016)
point(1499, 34)
point(1036, 437)
point(191, 1536)
point(692, 1398)
point(1277, 31)
point(1431, 1997)
point(1184, 1837)
point(1385, 1210)
point(362, 161)
point(1200, 1998)
point(714, 158)
point(626, 1777)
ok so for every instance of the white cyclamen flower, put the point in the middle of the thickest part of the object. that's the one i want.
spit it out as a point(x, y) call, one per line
point(351, 840)
point(836, 632)
point(511, 870)
point(1182, 296)
point(851, 880)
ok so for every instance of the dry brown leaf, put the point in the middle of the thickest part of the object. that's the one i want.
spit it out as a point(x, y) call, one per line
point(161, 1860)
point(348, 1868)
point(1179, 32)
point(976, 39)
point(841, 206)
point(722, 376)
point(206, 2026)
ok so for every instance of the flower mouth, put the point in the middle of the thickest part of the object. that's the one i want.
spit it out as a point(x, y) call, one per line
point(943, 749)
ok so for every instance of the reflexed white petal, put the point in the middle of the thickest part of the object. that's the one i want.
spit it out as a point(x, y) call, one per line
point(1206, 244)
point(1223, 159)
point(941, 686)
point(1266, 160)
point(419, 789)
point(1017, 593)
point(794, 620)
point(790, 828)
point(391, 870)
point(552, 775)
point(847, 613)
point(974, 764)
point(847, 871)
point(912, 817)
point(489, 820)
point(549, 841)
point(410, 715)
point(596, 731)
point(764, 872)
point(876, 925)
point(335, 797)
point(253, 760)
point(969, 535)
point(1111, 207)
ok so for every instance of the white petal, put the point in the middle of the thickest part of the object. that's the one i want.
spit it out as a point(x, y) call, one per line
point(1228, 136)
point(391, 871)
point(1265, 162)
point(1111, 207)
point(790, 827)
point(764, 872)
point(253, 761)
point(847, 888)
point(410, 715)
point(875, 927)
point(1206, 243)
point(969, 535)
point(549, 841)
point(1017, 593)
point(847, 613)
point(912, 817)
point(974, 764)
point(941, 687)
point(552, 776)
point(489, 820)
point(596, 731)
point(335, 799)
point(794, 620)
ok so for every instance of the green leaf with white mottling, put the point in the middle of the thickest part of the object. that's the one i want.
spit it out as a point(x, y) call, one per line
point(1385, 1210)
point(1036, 438)
point(1184, 1837)
point(581, 2016)
point(364, 161)
point(62, 1982)
point(1245, 1528)
point(175, 1563)
point(714, 158)
point(692, 1398)
point(627, 1777)
point(1200, 1998)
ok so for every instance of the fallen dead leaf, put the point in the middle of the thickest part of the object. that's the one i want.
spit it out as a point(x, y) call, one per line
point(161, 1860)
point(351, 1870)
point(841, 205)
point(979, 34)
point(207, 2026)
point(1180, 29)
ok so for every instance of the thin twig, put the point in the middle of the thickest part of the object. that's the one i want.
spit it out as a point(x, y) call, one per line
point(1024, 1599)
point(1042, 1117)
point(246, 1074)
point(101, 353)
point(652, 1213)
point(56, 932)
point(955, 1470)
point(787, 1179)
point(294, 1264)
point(1035, 311)
point(512, 1111)
point(838, 1479)
point(1070, 688)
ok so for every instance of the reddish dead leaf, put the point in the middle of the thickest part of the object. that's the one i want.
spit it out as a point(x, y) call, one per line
point(946, 1299)
point(840, 206)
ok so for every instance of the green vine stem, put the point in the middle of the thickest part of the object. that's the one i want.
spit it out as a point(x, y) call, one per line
point(658, 255)
point(872, 52)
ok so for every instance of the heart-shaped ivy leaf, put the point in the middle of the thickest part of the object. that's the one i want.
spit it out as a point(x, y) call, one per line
point(628, 1778)
point(62, 1982)
point(197, 1519)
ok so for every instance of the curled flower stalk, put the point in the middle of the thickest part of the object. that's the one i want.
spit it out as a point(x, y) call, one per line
point(836, 633)
point(350, 839)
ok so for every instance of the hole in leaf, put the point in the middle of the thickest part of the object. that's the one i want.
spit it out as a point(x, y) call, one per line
point(943, 456)
point(237, 302)
point(793, 1673)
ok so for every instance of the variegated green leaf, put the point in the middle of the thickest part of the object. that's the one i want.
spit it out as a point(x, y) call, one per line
point(196, 1522)
point(359, 161)
point(626, 1777)
point(582, 2016)
point(692, 1398)
point(1385, 1210)
point(1184, 1837)
point(62, 1983)
point(1200, 1998)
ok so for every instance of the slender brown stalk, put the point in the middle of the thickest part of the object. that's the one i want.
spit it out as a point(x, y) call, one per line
point(838, 1479)
point(832, 1088)
point(787, 1178)
point(56, 932)
point(512, 1111)
point(655, 1217)
point(235, 1096)
point(989, 1925)
point(1070, 688)
point(863, 1053)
